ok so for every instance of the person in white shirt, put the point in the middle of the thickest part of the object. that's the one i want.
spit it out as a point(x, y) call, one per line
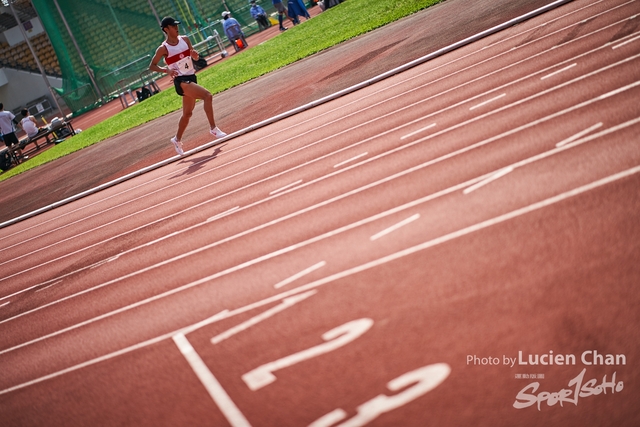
point(178, 54)
point(7, 128)
point(29, 124)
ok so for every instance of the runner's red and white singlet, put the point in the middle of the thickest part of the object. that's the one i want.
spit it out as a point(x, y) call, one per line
point(179, 58)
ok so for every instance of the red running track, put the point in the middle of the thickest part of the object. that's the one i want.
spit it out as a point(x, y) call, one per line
point(446, 247)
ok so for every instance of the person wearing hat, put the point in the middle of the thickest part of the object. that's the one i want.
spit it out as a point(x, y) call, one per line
point(178, 54)
point(233, 31)
point(260, 15)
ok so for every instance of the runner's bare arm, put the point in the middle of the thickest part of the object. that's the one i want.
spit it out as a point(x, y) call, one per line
point(161, 52)
point(194, 53)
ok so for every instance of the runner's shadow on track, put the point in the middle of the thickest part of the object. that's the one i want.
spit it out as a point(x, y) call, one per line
point(197, 162)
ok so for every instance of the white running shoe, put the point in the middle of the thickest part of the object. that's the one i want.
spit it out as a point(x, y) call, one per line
point(217, 132)
point(177, 145)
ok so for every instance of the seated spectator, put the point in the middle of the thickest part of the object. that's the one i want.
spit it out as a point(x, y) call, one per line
point(29, 124)
point(233, 31)
point(260, 15)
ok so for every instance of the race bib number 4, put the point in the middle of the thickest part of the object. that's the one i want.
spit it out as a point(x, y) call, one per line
point(184, 64)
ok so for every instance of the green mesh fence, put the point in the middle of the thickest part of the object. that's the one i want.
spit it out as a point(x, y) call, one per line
point(117, 38)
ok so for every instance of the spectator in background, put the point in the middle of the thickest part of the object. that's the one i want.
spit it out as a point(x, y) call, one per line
point(233, 31)
point(260, 15)
point(326, 4)
point(297, 8)
point(282, 11)
point(29, 124)
point(7, 127)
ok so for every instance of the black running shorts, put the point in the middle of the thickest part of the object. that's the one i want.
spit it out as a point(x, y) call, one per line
point(10, 139)
point(186, 79)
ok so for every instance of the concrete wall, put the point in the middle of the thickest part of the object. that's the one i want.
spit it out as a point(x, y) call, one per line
point(24, 87)
point(19, 88)
point(14, 35)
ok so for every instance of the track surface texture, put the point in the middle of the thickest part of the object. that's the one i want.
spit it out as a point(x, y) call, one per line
point(455, 245)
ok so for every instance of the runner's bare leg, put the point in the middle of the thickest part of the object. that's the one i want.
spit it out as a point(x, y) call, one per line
point(196, 91)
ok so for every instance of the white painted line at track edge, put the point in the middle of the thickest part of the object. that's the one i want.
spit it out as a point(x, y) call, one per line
point(350, 160)
point(409, 135)
point(302, 273)
point(626, 42)
point(285, 304)
point(47, 287)
point(568, 67)
point(488, 180)
point(293, 184)
point(214, 388)
point(222, 214)
point(579, 135)
point(394, 227)
point(488, 101)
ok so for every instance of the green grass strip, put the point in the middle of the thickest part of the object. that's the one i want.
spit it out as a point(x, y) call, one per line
point(346, 21)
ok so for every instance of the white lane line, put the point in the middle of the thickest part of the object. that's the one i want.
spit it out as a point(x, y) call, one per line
point(394, 227)
point(220, 215)
point(350, 160)
point(285, 187)
point(297, 276)
point(285, 304)
point(6, 303)
point(510, 66)
point(331, 419)
point(578, 135)
point(626, 42)
point(540, 94)
point(47, 287)
point(215, 390)
point(313, 285)
point(486, 181)
point(409, 135)
point(562, 70)
point(488, 101)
